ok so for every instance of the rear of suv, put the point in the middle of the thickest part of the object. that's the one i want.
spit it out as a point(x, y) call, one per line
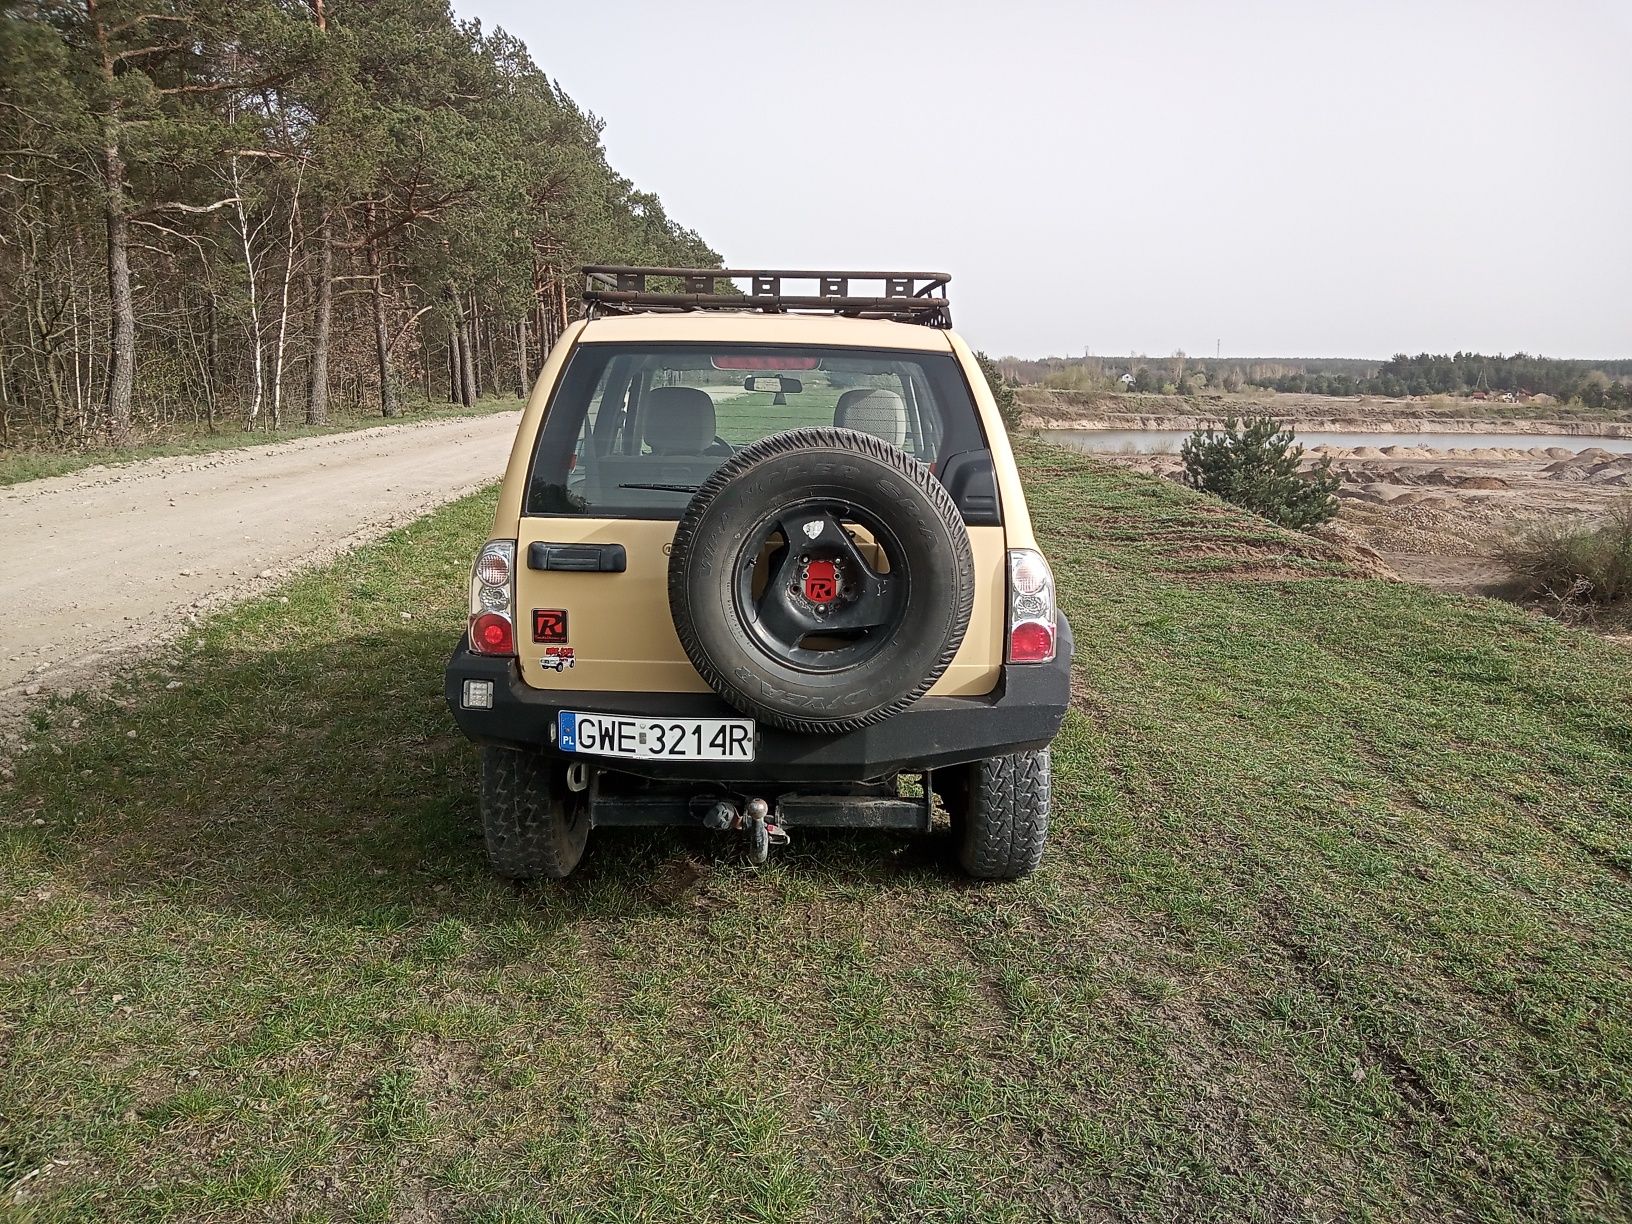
point(761, 562)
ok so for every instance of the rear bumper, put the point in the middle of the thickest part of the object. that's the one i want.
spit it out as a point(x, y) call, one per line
point(1024, 711)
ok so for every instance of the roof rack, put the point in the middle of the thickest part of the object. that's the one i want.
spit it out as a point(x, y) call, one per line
point(908, 297)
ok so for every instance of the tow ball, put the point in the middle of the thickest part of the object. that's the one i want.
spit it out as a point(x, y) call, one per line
point(755, 821)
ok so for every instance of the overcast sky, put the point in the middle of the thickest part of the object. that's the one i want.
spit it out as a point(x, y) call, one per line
point(1294, 179)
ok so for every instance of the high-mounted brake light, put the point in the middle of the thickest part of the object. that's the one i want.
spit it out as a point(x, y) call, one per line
point(493, 599)
point(747, 361)
point(1031, 608)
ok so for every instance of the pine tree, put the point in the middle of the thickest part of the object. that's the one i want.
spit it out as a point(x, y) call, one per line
point(1256, 466)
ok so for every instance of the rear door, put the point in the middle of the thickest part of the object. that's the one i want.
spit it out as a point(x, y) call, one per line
point(633, 429)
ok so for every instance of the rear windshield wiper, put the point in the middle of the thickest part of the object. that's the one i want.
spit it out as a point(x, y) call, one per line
point(662, 488)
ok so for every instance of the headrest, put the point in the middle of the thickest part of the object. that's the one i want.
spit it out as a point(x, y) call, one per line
point(679, 420)
point(880, 413)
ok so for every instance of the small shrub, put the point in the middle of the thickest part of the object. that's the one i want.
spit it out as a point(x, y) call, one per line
point(1577, 562)
point(1255, 466)
point(1007, 406)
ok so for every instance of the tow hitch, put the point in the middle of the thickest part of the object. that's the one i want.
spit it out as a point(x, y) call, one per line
point(755, 820)
point(872, 806)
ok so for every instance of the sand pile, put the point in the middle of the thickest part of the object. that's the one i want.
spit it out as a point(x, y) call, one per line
point(1587, 467)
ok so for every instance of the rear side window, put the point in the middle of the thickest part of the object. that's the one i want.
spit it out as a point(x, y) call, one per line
point(632, 431)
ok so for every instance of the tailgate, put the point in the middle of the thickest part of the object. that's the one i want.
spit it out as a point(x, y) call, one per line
point(586, 631)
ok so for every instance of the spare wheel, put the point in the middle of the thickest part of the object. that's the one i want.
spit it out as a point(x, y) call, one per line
point(821, 580)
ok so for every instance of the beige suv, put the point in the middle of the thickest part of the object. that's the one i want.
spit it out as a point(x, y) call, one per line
point(761, 562)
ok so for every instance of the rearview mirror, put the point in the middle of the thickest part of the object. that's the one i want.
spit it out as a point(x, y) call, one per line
point(777, 383)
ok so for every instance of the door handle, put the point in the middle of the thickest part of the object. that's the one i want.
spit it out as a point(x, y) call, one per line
point(578, 558)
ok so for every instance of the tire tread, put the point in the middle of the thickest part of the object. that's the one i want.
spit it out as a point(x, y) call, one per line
point(1004, 817)
point(526, 822)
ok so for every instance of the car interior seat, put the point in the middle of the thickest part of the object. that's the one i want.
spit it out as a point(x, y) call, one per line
point(872, 410)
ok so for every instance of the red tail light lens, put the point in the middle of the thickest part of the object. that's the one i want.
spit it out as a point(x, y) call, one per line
point(1031, 642)
point(492, 634)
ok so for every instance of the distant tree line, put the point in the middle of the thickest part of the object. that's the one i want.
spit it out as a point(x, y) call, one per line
point(246, 209)
point(1596, 384)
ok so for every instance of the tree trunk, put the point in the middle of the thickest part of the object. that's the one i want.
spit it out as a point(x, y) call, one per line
point(212, 362)
point(283, 310)
point(523, 382)
point(467, 364)
point(382, 344)
point(456, 378)
point(122, 324)
point(122, 344)
point(317, 396)
point(253, 415)
point(474, 348)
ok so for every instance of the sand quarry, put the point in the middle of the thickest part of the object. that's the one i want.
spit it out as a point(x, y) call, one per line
point(1438, 517)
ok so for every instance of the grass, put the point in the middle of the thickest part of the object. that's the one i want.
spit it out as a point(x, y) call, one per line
point(33, 463)
point(1336, 923)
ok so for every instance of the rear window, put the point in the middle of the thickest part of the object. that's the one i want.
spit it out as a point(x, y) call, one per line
point(633, 430)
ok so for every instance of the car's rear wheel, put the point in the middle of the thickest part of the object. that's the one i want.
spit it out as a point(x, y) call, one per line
point(535, 828)
point(999, 809)
point(821, 580)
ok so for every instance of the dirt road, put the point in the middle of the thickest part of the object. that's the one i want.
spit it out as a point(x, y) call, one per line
point(107, 561)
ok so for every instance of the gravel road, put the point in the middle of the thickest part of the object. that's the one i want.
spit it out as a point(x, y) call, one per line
point(106, 562)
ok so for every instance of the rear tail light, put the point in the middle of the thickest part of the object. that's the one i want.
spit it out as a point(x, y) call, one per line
point(493, 599)
point(1031, 608)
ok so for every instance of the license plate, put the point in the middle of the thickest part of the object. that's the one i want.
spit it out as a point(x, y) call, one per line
point(642, 738)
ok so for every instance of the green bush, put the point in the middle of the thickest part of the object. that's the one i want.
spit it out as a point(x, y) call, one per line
point(1577, 562)
point(1255, 466)
point(1007, 406)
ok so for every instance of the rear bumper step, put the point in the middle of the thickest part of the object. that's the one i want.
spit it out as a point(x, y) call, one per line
point(1023, 712)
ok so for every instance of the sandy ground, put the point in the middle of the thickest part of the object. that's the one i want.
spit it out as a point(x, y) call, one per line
point(1044, 409)
point(104, 562)
point(1436, 517)
point(1440, 517)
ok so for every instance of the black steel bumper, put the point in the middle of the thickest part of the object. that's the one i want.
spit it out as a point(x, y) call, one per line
point(1024, 711)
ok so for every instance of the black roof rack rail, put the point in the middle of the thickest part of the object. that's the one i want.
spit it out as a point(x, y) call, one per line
point(907, 297)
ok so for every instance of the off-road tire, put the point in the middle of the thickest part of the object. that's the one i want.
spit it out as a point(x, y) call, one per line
point(778, 471)
point(534, 827)
point(999, 810)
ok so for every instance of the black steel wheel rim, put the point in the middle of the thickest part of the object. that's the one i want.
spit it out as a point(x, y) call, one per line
point(868, 607)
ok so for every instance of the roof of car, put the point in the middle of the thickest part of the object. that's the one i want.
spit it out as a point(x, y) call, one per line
point(756, 327)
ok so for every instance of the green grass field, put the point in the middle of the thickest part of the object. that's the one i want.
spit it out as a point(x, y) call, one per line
point(1336, 923)
point(33, 463)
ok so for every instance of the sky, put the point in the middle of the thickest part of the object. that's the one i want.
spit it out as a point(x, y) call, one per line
point(1255, 179)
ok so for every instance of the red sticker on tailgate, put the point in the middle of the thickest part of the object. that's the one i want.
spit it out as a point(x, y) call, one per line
point(549, 625)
